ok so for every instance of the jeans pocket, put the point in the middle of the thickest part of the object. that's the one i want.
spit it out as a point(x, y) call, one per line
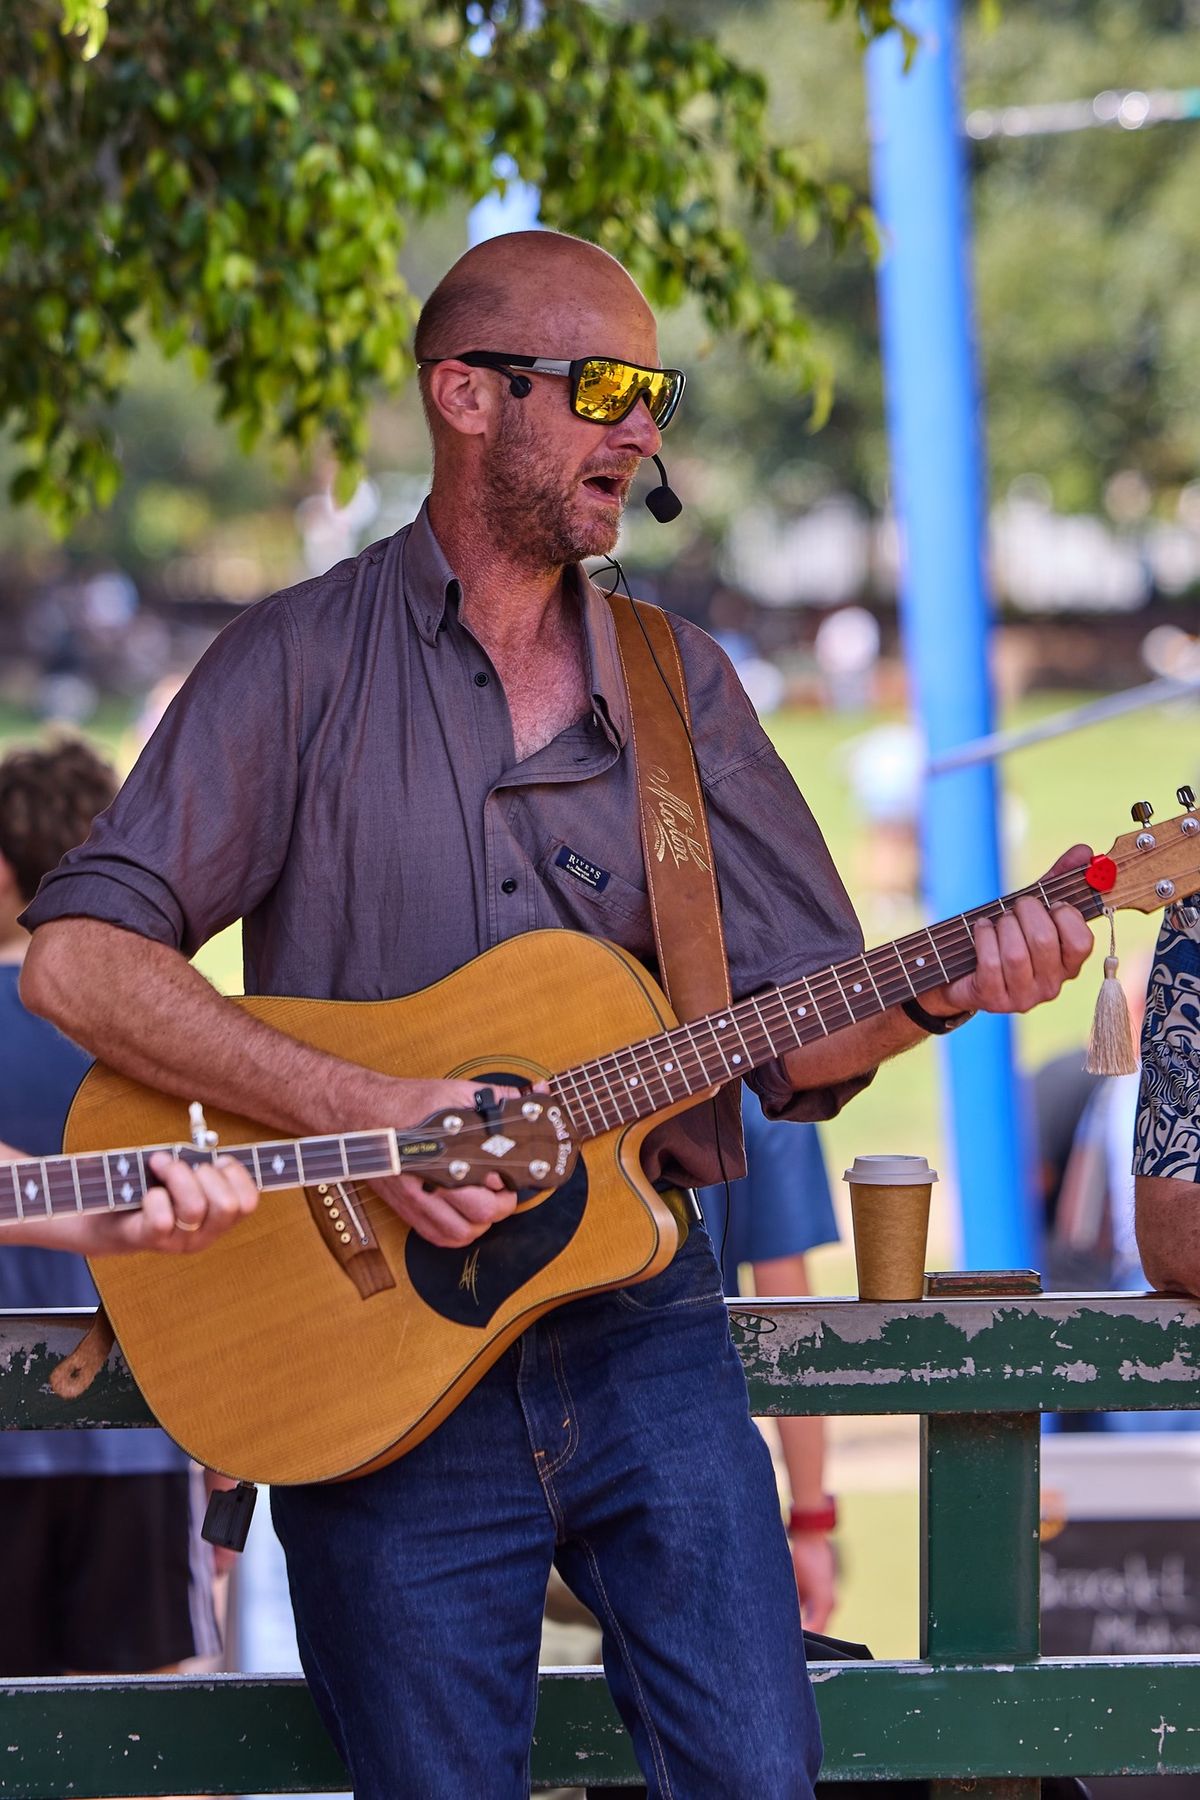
point(691, 1278)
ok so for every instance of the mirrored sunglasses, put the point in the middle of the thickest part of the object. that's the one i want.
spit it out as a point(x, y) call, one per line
point(603, 388)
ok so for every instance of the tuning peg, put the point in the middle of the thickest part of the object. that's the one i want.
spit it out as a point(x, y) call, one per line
point(202, 1137)
point(1141, 812)
point(1186, 798)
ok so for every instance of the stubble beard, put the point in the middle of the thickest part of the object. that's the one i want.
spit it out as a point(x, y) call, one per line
point(528, 505)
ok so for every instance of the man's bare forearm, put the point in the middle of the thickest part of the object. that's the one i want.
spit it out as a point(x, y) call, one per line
point(142, 1008)
point(1167, 1221)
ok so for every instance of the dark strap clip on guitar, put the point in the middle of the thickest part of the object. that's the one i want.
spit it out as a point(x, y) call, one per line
point(227, 1516)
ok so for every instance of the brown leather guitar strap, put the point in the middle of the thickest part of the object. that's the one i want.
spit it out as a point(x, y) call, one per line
point(684, 904)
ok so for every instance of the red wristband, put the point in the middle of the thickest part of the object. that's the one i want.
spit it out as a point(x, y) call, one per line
point(815, 1518)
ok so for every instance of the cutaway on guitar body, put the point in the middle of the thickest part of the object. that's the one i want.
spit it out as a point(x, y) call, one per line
point(262, 1357)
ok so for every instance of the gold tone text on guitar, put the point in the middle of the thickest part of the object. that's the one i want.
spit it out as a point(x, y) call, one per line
point(280, 1354)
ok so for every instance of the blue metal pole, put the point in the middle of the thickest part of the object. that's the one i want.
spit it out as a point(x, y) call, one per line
point(939, 493)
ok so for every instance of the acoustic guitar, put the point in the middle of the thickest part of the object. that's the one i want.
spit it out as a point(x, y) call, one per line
point(322, 1338)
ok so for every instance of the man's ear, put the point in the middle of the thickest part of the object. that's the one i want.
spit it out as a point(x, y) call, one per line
point(464, 398)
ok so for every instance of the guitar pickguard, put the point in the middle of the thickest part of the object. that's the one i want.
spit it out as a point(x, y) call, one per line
point(469, 1286)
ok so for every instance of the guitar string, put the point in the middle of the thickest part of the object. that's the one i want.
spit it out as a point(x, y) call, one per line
point(825, 988)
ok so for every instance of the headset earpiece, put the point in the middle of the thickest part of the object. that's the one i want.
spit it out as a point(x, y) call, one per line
point(519, 386)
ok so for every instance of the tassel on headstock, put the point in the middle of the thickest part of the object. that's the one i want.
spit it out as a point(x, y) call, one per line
point(1111, 1049)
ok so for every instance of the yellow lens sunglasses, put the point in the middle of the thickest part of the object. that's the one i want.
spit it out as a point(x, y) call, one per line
point(603, 388)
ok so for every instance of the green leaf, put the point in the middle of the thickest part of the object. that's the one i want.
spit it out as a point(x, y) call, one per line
point(24, 485)
point(283, 98)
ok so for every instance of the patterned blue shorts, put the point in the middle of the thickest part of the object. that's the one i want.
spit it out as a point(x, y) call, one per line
point(1167, 1140)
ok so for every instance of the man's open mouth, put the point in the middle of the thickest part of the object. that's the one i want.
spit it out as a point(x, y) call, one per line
point(611, 486)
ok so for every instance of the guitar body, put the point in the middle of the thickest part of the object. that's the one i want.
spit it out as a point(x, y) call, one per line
point(262, 1357)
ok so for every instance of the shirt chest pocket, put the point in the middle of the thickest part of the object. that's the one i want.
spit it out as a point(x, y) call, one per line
point(585, 894)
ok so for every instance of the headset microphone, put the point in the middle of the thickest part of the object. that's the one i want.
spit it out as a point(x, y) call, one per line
point(663, 501)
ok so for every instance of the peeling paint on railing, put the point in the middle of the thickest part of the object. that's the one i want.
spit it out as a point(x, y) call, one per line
point(1047, 1354)
point(808, 1356)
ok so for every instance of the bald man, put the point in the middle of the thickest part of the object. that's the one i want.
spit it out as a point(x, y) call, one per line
point(384, 772)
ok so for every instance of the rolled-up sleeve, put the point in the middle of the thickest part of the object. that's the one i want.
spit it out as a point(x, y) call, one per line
point(199, 832)
point(785, 910)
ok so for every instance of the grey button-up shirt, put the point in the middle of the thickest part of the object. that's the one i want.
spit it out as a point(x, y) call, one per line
point(338, 772)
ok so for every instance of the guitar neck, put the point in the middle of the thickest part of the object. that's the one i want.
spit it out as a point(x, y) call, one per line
point(647, 1077)
point(117, 1180)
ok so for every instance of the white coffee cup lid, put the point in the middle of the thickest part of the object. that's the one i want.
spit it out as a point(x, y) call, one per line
point(889, 1171)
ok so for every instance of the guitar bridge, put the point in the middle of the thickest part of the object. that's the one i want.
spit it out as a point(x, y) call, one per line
point(341, 1218)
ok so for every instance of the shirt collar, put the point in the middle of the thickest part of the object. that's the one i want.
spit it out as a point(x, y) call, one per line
point(430, 584)
point(429, 581)
point(607, 677)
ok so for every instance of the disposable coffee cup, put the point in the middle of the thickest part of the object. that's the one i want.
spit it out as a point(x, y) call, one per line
point(889, 1207)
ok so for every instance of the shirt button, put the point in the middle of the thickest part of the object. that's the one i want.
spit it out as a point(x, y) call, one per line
point(509, 886)
point(481, 679)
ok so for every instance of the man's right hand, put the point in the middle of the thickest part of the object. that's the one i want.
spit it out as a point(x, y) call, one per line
point(450, 1217)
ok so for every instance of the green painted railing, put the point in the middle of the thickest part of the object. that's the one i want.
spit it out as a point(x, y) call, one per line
point(980, 1704)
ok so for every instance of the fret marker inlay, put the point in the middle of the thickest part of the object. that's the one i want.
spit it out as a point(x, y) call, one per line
point(126, 1192)
point(122, 1165)
point(277, 1163)
point(920, 962)
point(31, 1190)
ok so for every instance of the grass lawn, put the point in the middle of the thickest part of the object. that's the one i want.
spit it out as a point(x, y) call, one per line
point(1073, 788)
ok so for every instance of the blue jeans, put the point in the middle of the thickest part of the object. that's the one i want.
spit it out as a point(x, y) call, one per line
point(613, 1439)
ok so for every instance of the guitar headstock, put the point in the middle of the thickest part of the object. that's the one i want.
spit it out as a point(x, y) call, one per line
point(1154, 866)
point(526, 1141)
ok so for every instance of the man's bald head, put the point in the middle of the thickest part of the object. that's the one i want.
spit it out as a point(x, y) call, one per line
point(515, 460)
point(531, 293)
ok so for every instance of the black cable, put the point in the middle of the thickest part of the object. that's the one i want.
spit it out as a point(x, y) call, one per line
point(728, 1194)
point(610, 562)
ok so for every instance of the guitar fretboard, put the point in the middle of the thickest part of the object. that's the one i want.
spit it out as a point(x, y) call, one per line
point(645, 1077)
point(117, 1180)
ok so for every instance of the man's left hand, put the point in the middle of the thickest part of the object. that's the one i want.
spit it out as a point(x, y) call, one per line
point(190, 1210)
point(1024, 957)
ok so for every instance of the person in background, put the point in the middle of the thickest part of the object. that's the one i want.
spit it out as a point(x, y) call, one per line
point(1166, 1156)
point(1084, 1126)
point(102, 1567)
point(779, 1210)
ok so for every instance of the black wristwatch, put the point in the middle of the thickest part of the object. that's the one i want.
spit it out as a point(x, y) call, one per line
point(930, 1022)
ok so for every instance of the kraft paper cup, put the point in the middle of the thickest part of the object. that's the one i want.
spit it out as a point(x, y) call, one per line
point(889, 1206)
